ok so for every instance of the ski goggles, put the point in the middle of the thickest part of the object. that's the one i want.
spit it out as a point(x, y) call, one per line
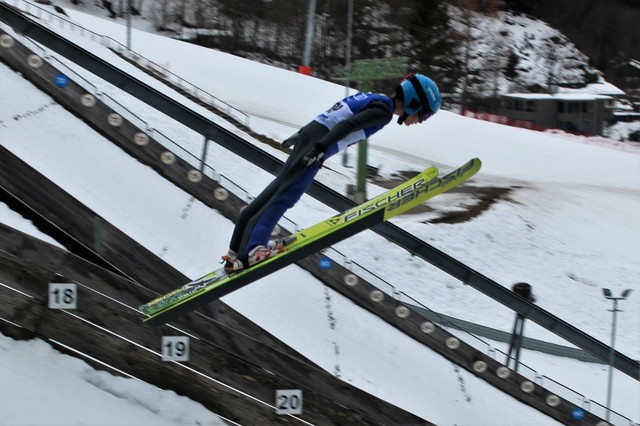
point(424, 115)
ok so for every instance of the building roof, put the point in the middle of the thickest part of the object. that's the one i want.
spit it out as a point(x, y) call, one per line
point(590, 92)
point(603, 88)
point(557, 96)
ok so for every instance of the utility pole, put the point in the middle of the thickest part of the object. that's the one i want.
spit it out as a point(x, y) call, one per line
point(308, 40)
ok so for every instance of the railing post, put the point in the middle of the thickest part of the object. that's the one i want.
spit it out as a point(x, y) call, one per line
point(203, 160)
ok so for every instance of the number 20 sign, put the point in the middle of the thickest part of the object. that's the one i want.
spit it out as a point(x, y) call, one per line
point(288, 401)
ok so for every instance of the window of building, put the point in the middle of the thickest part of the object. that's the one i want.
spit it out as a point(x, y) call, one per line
point(574, 107)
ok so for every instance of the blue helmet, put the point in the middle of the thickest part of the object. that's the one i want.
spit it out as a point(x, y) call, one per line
point(420, 95)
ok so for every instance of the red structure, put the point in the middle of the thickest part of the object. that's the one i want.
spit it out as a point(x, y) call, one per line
point(304, 69)
point(501, 119)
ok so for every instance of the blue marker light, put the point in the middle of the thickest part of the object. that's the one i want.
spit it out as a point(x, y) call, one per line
point(577, 413)
point(325, 263)
point(61, 80)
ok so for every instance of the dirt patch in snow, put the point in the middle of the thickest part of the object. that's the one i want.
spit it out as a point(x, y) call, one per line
point(468, 200)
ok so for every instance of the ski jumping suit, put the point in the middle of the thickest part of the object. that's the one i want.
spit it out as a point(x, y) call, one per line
point(349, 121)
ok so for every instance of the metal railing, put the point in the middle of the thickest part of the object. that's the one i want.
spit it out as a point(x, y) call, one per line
point(140, 60)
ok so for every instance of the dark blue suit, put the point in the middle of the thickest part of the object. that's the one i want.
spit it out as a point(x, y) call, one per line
point(347, 122)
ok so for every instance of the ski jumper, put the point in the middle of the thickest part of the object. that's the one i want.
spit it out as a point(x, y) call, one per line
point(349, 121)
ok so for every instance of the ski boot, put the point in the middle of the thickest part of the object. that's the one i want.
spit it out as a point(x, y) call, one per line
point(260, 253)
point(280, 244)
point(231, 262)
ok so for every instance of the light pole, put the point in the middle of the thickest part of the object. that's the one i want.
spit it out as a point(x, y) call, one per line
point(308, 40)
point(523, 290)
point(608, 295)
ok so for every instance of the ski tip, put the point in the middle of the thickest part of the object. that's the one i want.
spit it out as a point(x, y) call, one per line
point(477, 163)
point(472, 166)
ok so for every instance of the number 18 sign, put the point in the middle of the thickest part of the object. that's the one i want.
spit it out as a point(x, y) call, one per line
point(63, 295)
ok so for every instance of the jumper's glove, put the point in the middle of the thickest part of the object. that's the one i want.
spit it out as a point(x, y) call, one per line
point(314, 156)
point(290, 141)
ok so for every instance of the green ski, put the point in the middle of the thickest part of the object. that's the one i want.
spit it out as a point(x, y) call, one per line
point(392, 203)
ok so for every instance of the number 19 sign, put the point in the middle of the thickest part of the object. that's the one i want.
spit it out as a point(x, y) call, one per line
point(175, 348)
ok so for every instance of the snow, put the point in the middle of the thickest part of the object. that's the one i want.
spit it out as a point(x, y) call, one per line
point(602, 88)
point(569, 226)
point(79, 390)
point(544, 55)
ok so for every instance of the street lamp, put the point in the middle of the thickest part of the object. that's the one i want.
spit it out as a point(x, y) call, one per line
point(608, 295)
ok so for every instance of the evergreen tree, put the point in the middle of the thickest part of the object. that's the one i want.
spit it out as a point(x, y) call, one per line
point(433, 44)
point(512, 63)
